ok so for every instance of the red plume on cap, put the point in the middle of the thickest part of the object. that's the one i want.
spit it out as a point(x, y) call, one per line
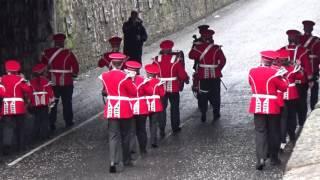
point(59, 37)
point(293, 33)
point(308, 23)
point(269, 56)
point(283, 54)
point(39, 68)
point(152, 69)
point(117, 56)
point(115, 41)
point(12, 65)
point(166, 44)
point(208, 33)
point(133, 65)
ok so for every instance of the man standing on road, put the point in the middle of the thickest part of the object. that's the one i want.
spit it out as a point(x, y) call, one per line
point(300, 55)
point(172, 73)
point(139, 107)
point(63, 67)
point(13, 109)
point(120, 89)
point(264, 82)
point(134, 36)
point(290, 97)
point(211, 61)
point(105, 61)
point(312, 43)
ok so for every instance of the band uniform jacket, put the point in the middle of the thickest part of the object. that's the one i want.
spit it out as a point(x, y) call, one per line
point(42, 93)
point(265, 83)
point(172, 72)
point(155, 90)
point(300, 55)
point(16, 88)
point(211, 60)
point(139, 103)
point(292, 76)
point(312, 43)
point(62, 65)
point(119, 88)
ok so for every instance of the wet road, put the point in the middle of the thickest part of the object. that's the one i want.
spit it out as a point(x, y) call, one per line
point(220, 150)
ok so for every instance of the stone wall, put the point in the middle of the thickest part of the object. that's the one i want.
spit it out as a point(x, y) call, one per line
point(24, 30)
point(304, 162)
point(89, 23)
point(26, 25)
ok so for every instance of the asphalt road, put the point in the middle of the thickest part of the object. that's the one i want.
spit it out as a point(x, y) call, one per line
point(221, 150)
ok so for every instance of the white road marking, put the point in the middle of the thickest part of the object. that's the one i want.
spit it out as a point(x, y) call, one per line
point(54, 139)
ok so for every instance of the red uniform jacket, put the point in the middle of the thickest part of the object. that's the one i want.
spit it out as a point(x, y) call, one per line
point(312, 43)
point(15, 89)
point(172, 72)
point(155, 90)
point(105, 61)
point(2, 90)
point(300, 55)
point(211, 60)
point(139, 103)
point(42, 93)
point(264, 85)
point(62, 65)
point(120, 89)
point(292, 76)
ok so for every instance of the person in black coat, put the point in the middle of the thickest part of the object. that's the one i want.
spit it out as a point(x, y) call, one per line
point(134, 37)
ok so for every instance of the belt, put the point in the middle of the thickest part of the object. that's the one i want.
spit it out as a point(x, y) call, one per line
point(265, 96)
point(169, 79)
point(60, 71)
point(138, 98)
point(313, 56)
point(13, 99)
point(118, 98)
point(208, 65)
point(39, 93)
point(153, 97)
point(292, 85)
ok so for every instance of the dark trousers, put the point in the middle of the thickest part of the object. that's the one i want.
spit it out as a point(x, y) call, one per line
point(13, 132)
point(291, 114)
point(41, 122)
point(141, 131)
point(210, 91)
point(65, 92)
point(314, 95)
point(302, 107)
point(119, 136)
point(155, 118)
point(174, 99)
point(267, 130)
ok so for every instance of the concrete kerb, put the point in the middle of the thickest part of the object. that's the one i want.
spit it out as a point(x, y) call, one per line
point(304, 162)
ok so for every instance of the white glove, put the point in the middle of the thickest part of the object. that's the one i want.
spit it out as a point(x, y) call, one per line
point(281, 72)
point(297, 68)
point(131, 74)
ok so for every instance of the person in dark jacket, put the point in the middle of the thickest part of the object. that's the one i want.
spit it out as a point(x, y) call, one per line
point(134, 37)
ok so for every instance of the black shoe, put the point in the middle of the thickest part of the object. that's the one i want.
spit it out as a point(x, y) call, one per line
point(112, 169)
point(143, 151)
point(129, 163)
point(176, 130)
point(162, 134)
point(52, 127)
point(69, 125)
point(154, 146)
point(275, 161)
point(260, 164)
point(203, 118)
point(216, 117)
